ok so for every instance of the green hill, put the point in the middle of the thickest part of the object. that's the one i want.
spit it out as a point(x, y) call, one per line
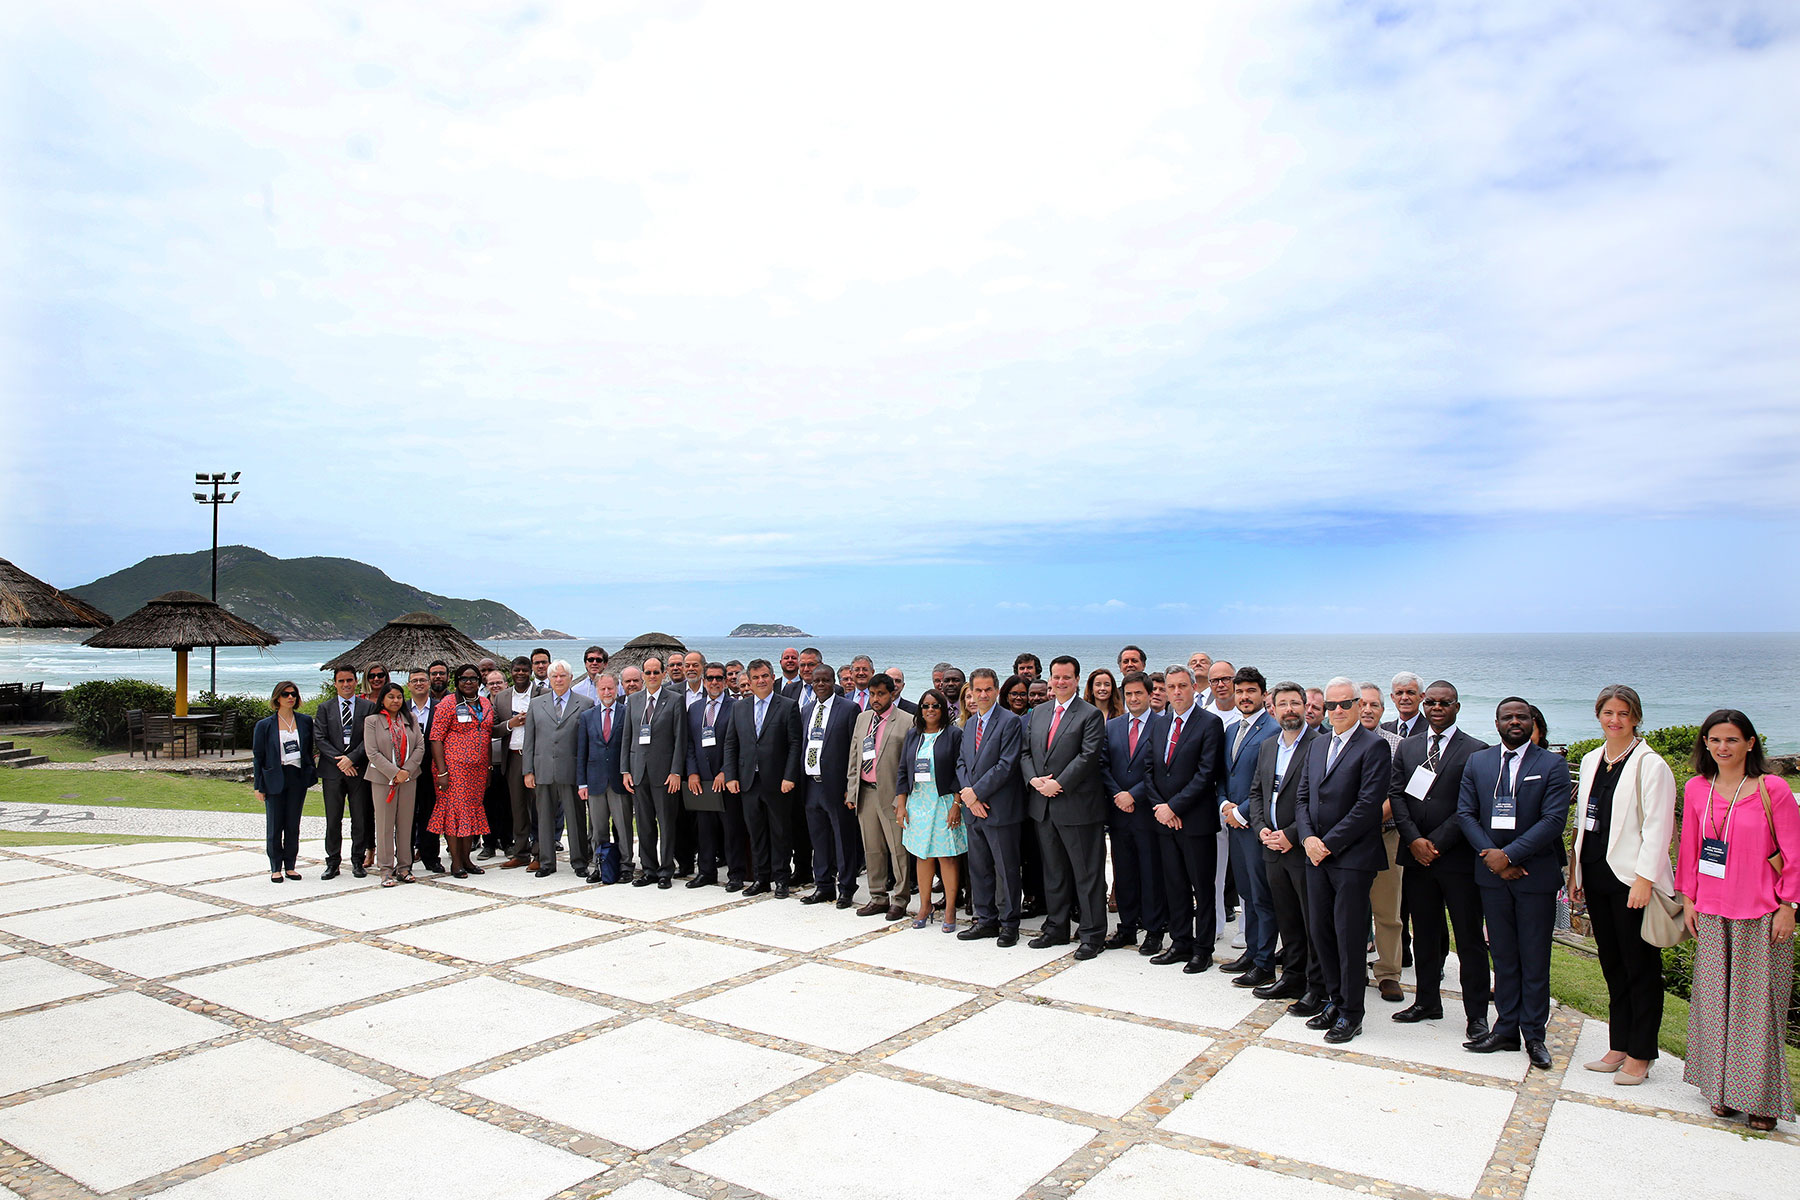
point(297, 599)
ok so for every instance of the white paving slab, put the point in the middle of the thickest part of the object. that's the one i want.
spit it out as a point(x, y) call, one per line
point(368, 909)
point(785, 924)
point(839, 1009)
point(52, 851)
point(257, 891)
point(63, 889)
point(90, 1035)
point(197, 946)
point(516, 882)
point(104, 918)
point(5, 948)
point(1433, 1043)
point(488, 1017)
point(1588, 1151)
point(14, 870)
point(879, 1139)
point(1663, 1089)
point(1150, 1172)
point(179, 1111)
point(648, 967)
point(930, 951)
point(307, 982)
point(108, 858)
point(1049, 1054)
point(648, 903)
point(509, 931)
point(1431, 1133)
point(202, 869)
point(445, 1152)
point(28, 982)
point(688, 1078)
point(1125, 981)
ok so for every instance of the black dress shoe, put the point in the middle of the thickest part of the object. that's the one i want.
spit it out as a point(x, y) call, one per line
point(1478, 1028)
point(781, 889)
point(845, 902)
point(757, 889)
point(357, 870)
point(700, 881)
point(1342, 1031)
point(1047, 939)
point(1198, 964)
point(1242, 962)
point(817, 897)
point(1152, 945)
point(1255, 977)
point(1088, 950)
point(330, 872)
point(1325, 1018)
point(1168, 957)
point(593, 876)
point(1309, 1004)
point(1488, 1043)
point(735, 885)
point(543, 871)
point(437, 868)
point(1538, 1053)
point(1288, 987)
point(977, 932)
point(643, 881)
point(1008, 939)
point(665, 884)
point(1415, 1012)
point(1122, 937)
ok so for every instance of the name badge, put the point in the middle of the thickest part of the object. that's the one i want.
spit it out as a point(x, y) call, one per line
point(1712, 857)
point(463, 718)
point(706, 737)
point(1590, 822)
point(1505, 813)
point(816, 735)
point(922, 770)
point(869, 749)
point(1420, 783)
point(290, 746)
point(644, 734)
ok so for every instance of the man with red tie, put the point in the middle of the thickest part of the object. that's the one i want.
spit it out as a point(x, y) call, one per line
point(1187, 759)
point(1131, 823)
point(1061, 762)
point(862, 669)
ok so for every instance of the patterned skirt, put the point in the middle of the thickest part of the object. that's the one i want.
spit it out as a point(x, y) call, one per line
point(1737, 1015)
point(459, 811)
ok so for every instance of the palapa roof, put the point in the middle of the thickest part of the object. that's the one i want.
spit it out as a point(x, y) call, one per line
point(27, 602)
point(644, 646)
point(414, 640)
point(180, 621)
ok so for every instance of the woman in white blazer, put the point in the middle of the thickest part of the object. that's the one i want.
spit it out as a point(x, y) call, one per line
point(1624, 821)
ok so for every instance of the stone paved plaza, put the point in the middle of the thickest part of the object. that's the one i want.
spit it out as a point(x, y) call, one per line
point(171, 1023)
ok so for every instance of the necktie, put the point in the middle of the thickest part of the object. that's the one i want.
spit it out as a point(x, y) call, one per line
point(1506, 761)
point(862, 701)
point(980, 727)
point(1431, 755)
point(1055, 720)
point(606, 724)
point(346, 722)
point(649, 707)
point(1337, 743)
point(1174, 740)
point(1131, 749)
point(762, 706)
point(868, 771)
point(1237, 746)
point(711, 711)
point(559, 707)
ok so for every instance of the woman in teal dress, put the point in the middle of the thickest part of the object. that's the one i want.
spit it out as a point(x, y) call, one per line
point(925, 802)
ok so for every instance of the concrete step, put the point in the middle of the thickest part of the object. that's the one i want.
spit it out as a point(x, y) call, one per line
point(6, 745)
point(30, 760)
point(8, 752)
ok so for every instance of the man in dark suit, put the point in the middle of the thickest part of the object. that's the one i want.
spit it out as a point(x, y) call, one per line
point(718, 815)
point(791, 683)
point(1131, 823)
point(1342, 789)
point(552, 731)
point(1274, 805)
point(825, 749)
point(1512, 806)
point(1061, 760)
point(1243, 743)
point(655, 757)
point(1406, 692)
point(900, 701)
point(338, 740)
point(762, 765)
point(1437, 863)
point(1187, 759)
point(992, 794)
point(599, 772)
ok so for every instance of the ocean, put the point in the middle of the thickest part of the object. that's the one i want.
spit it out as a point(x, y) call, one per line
point(1681, 677)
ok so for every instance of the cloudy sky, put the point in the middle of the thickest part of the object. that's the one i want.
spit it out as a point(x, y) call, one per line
point(941, 317)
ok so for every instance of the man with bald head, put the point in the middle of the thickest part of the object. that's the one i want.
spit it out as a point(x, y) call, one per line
point(655, 759)
point(900, 702)
point(790, 682)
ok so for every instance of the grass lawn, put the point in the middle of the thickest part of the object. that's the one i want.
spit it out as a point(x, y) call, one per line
point(138, 789)
point(57, 747)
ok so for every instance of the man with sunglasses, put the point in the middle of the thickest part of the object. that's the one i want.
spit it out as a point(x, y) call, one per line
point(593, 660)
point(655, 757)
point(1342, 789)
point(720, 834)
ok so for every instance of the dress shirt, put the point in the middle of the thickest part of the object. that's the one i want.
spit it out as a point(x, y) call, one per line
point(694, 696)
point(587, 687)
point(521, 703)
point(1415, 725)
point(879, 728)
point(762, 710)
point(1512, 769)
point(861, 696)
point(1284, 754)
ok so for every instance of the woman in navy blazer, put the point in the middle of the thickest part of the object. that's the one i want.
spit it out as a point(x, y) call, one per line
point(930, 813)
point(282, 750)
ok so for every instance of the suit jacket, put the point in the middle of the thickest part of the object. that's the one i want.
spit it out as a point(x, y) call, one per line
point(944, 753)
point(380, 747)
point(1541, 795)
point(906, 706)
point(1073, 760)
point(265, 748)
point(600, 761)
point(666, 754)
point(1188, 782)
point(1342, 806)
point(707, 761)
point(1123, 771)
point(503, 711)
point(1419, 726)
point(1240, 772)
point(1434, 817)
point(333, 741)
point(887, 751)
point(550, 740)
point(993, 771)
point(796, 691)
point(761, 762)
point(837, 753)
point(1275, 806)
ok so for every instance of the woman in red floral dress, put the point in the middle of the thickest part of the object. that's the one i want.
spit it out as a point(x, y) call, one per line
point(460, 729)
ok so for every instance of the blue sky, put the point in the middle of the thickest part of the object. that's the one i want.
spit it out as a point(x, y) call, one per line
point(1194, 317)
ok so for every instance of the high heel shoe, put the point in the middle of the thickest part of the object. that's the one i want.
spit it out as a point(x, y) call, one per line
point(1604, 1067)
point(1627, 1079)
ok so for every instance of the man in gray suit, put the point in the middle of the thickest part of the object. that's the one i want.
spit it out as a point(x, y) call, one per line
point(1061, 765)
point(552, 727)
point(655, 757)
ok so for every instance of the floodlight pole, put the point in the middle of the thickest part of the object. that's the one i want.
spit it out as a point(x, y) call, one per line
point(217, 481)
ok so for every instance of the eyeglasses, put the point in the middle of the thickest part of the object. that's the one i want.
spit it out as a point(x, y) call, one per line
point(1428, 703)
point(715, 679)
point(288, 696)
point(594, 658)
point(931, 707)
point(1350, 703)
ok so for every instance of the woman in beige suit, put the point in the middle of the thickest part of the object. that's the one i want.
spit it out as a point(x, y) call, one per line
point(1624, 820)
point(396, 747)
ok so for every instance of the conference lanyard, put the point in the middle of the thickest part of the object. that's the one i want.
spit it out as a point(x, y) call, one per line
point(1712, 849)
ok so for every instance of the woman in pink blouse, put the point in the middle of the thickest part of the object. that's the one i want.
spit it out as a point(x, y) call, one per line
point(1740, 905)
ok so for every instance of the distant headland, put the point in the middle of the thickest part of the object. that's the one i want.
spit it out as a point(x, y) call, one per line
point(775, 631)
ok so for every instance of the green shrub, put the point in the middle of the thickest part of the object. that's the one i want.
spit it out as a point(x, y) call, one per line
point(98, 706)
point(245, 712)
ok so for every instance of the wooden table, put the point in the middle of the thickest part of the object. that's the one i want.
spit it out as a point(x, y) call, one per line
point(187, 734)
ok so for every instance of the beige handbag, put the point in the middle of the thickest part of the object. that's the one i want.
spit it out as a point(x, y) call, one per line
point(1664, 924)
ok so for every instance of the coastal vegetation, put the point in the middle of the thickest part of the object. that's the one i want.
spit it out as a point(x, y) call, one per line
point(750, 630)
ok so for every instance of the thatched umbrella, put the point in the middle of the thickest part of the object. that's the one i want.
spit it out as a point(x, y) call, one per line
point(645, 646)
point(179, 621)
point(414, 640)
point(30, 603)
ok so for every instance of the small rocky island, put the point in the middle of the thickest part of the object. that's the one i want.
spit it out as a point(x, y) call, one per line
point(774, 631)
